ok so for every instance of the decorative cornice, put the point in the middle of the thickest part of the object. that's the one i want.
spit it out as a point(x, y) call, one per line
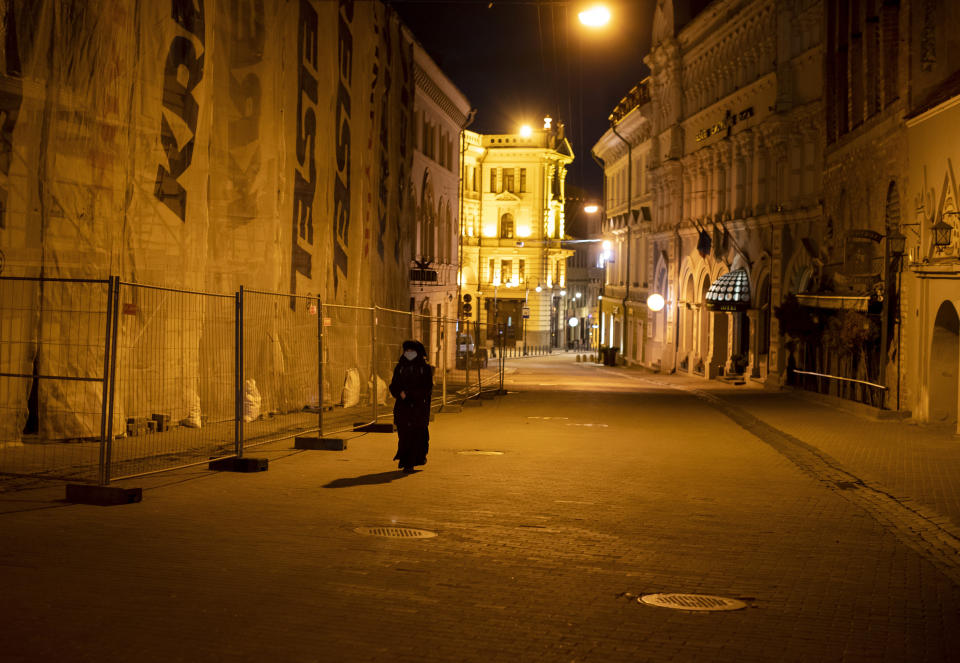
point(433, 91)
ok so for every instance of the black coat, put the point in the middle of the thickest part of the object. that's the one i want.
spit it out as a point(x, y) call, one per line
point(415, 379)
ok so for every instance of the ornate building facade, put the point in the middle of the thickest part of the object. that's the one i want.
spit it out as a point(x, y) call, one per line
point(928, 290)
point(513, 264)
point(728, 135)
point(440, 113)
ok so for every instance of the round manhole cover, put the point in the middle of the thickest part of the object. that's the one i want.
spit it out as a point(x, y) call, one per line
point(704, 602)
point(479, 452)
point(396, 532)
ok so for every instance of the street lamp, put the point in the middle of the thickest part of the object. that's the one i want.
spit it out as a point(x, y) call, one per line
point(591, 208)
point(596, 16)
point(526, 131)
point(896, 243)
point(655, 302)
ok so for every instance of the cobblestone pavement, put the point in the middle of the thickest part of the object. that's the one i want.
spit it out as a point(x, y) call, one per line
point(611, 484)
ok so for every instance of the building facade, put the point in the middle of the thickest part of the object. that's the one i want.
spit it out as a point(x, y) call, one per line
point(513, 263)
point(715, 170)
point(928, 290)
point(440, 112)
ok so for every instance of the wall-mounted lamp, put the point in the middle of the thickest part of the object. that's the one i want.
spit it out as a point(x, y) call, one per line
point(941, 232)
point(897, 243)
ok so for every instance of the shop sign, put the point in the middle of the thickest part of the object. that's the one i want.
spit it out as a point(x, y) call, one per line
point(726, 123)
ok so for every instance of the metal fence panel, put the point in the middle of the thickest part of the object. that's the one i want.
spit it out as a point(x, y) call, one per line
point(52, 369)
point(346, 367)
point(174, 391)
point(281, 371)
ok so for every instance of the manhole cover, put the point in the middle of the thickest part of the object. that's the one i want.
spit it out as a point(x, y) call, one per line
point(396, 532)
point(479, 452)
point(692, 602)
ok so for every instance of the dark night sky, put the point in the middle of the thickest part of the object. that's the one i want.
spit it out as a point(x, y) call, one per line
point(494, 56)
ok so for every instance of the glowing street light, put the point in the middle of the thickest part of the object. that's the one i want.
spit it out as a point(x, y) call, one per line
point(591, 208)
point(526, 131)
point(655, 302)
point(596, 16)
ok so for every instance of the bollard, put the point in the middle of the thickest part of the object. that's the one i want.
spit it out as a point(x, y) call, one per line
point(578, 359)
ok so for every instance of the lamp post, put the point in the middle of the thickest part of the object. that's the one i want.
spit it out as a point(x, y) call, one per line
point(897, 244)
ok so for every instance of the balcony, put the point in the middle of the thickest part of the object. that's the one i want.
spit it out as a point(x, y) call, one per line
point(420, 275)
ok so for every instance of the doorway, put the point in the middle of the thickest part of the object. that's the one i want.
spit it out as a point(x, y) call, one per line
point(944, 359)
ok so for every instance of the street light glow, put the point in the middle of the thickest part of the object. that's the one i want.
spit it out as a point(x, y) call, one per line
point(655, 302)
point(526, 131)
point(590, 209)
point(596, 16)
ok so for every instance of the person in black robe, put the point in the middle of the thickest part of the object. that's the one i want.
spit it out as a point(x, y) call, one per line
point(412, 387)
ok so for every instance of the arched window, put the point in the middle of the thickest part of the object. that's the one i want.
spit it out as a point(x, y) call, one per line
point(506, 226)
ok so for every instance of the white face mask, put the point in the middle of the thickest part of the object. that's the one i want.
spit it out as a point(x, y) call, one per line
point(410, 355)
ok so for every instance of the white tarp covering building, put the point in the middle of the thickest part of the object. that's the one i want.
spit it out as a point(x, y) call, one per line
point(198, 145)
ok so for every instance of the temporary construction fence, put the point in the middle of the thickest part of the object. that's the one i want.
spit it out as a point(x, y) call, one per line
point(106, 379)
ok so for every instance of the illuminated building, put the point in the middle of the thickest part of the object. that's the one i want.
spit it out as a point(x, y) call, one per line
point(726, 142)
point(513, 261)
point(440, 113)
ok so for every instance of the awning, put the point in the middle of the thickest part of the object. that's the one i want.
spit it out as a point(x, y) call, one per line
point(730, 292)
point(856, 303)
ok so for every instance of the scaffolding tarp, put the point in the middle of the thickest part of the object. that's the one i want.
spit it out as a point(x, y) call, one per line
point(198, 145)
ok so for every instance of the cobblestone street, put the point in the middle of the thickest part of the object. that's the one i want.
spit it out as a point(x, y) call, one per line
point(837, 531)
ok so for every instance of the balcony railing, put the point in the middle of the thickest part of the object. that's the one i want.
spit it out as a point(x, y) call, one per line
point(637, 96)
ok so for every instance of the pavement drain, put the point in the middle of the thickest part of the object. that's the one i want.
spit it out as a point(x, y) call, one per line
point(699, 602)
point(396, 532)
point(479, 452)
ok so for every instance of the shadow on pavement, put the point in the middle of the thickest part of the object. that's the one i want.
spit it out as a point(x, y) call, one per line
point(366, 479)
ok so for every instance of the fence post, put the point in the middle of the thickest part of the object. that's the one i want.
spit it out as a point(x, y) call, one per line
point(105, 395)
point(108, 451)
point(443, 359)
point(373, 359)
point(319, 367)
point(238, 374)
point(503, 359)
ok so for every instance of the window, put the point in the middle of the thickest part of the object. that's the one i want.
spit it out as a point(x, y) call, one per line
point(523, 180)
point(508, 175)
point(490, 272)
point(521, 275)
point(506, 271)
point(506, 226)
point(493, 180)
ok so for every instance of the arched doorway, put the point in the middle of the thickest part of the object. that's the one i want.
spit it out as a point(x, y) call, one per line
point(719, 357)
point(703, 328)
point(688, 321)
point(944, 359)
point(762, 360)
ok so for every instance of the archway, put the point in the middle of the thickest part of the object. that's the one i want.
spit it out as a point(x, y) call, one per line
point(719, 357)
point(703, 328)
point(944, 359)
point(689, 297)
point(763, 326)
